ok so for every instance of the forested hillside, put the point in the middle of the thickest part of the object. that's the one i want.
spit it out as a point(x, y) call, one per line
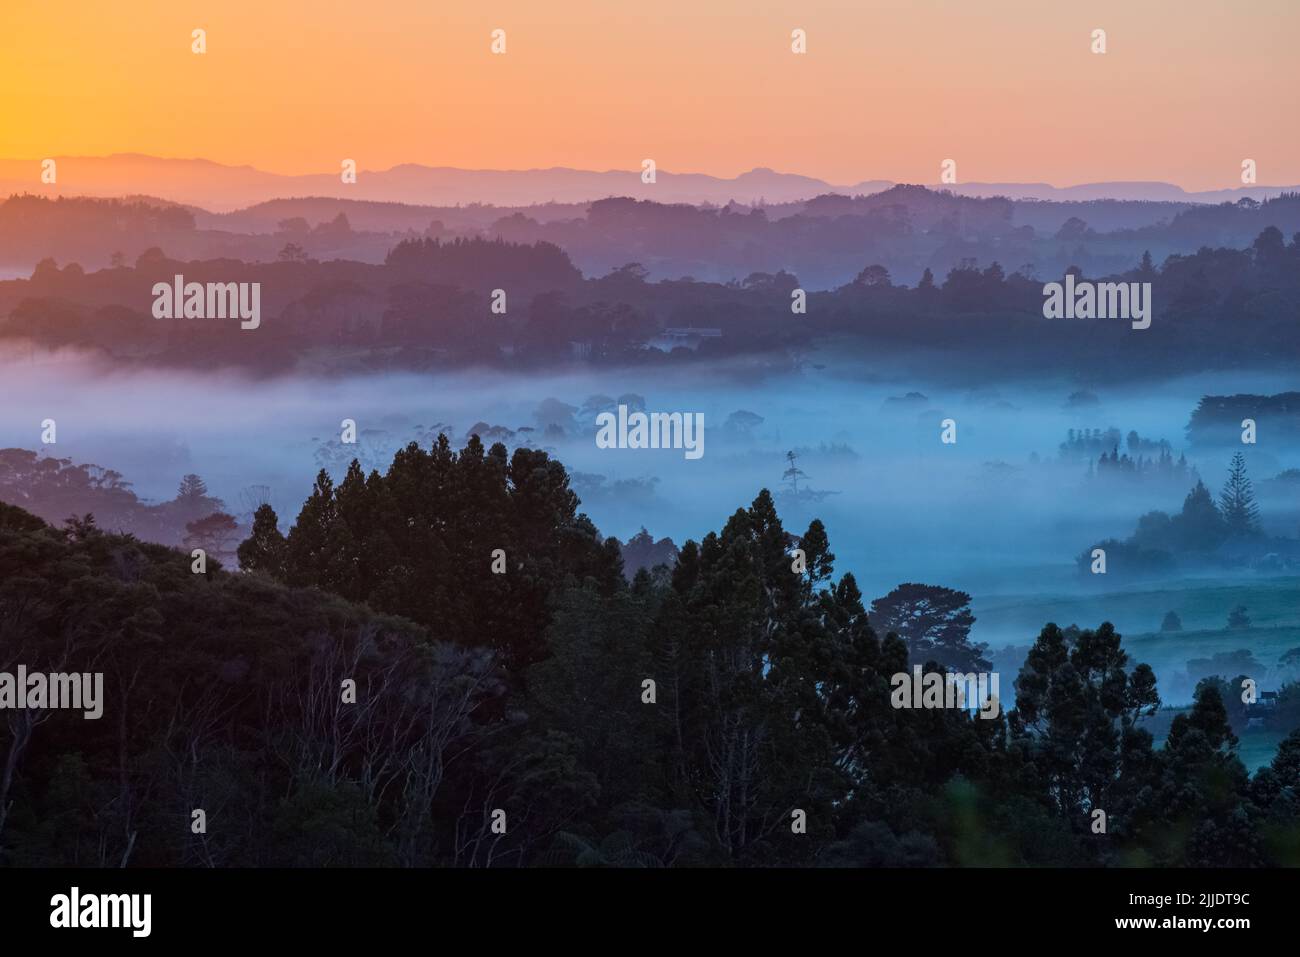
point(517, 702)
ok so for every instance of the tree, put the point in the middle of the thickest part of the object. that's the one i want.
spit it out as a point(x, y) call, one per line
point(781, 282)
point(1199, 526)
point(222, 692)
point(192, 489)
point(1198, 812)
point(151, 258)
point(1237, 618)
point(253, 497)
point(1225, 664)
point(1076, 716)
point(1237, 500)
point(1269, 248)
point(934, 622)
point(552, 411)
point(769, 684)
point(47, 269)
point(1172, 622)
point(336, 228)
point(264, 550)
point(589, 687)
point(1073, 228)
point(421, 541)
point(193, 502)
point(213, 534)
point(329, 732)
point(629, 272)
point(292, 253)
point(741, 422)
point(641, 551)
point(874, 276)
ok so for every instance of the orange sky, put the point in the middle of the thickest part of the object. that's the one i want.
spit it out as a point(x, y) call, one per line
point(888, 89)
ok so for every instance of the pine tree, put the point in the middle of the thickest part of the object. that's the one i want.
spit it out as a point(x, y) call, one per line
point(192, 488)
point(193, 502)
point(1199, 526)
point(264, 549)
point(1237, 500)
point(306, 554)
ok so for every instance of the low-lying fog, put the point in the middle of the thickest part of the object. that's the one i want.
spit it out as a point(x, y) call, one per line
point(998, 512)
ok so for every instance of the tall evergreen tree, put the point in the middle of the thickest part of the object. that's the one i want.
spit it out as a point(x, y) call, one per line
point(1199, 812)
point(264, 550)
point(1237, 500)
point(475, 544)
point(1146, 269)
point(1200, 525)
point(192, 488)
point(193, 501)
point(1076, 720)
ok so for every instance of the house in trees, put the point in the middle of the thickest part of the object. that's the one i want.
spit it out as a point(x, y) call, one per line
point(1258, 713)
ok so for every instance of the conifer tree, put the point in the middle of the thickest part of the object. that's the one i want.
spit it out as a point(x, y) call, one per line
point(1200, 525)
point(1237, 500)
point(264, 550)
point(192, 488)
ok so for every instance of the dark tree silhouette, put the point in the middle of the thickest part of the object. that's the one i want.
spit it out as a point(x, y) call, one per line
point(935, 623)
point(264, 549)
point(1201, 525)
point(675, 720)
point(1237, 500)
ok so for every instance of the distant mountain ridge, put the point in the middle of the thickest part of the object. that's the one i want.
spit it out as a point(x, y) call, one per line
point(222, 188)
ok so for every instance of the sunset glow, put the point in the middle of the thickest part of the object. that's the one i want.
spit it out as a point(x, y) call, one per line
point(887, 90)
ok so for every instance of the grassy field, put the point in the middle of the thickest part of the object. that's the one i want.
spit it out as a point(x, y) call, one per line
point(1168, 652)
point(1273, 605)
point(1202, 604)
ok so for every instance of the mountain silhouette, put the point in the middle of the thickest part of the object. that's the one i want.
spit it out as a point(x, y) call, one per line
point(221, 187)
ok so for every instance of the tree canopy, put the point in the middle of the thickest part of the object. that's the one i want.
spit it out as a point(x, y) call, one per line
point(377, 689)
